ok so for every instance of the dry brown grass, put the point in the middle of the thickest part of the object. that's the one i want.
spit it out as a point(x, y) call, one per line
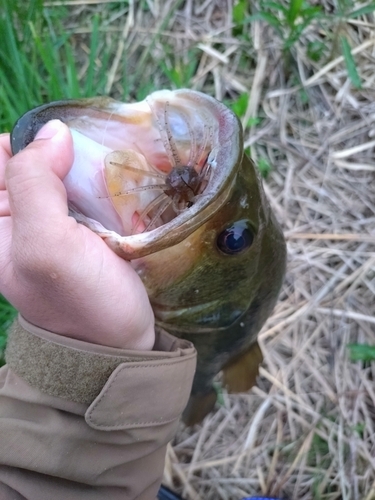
point(307, 430)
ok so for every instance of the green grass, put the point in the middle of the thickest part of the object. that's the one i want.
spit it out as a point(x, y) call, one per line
point(38, 61)
point(7, 314)
point(350, 63)
point(361, 352)
point(44, 57)
point(291, 19)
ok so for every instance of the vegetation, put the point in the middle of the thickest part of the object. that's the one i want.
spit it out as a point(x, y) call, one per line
point(361, 352)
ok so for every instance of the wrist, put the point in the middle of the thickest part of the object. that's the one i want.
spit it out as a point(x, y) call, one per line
point(114, 332)
point(76, 370)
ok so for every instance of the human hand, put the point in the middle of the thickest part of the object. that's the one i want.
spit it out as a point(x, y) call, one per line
point(58, 274)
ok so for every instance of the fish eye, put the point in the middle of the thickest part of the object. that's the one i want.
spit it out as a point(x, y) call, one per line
point(235, 238)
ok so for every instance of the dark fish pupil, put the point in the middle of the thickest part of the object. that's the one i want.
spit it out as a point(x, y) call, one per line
point(236, 238)
point(235, 241)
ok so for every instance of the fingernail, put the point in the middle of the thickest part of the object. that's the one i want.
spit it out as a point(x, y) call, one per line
point(49, 130)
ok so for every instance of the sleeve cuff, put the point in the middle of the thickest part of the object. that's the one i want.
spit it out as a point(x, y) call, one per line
point(104, 377)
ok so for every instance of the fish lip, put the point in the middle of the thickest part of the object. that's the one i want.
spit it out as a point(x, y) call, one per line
point(172, 232)
point(226, 157)
point(193, 329)
point(29, 124)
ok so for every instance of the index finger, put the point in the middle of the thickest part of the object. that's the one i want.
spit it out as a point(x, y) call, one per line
point(5, 154)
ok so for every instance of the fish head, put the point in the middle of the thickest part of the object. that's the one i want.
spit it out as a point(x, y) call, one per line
point(221, 231)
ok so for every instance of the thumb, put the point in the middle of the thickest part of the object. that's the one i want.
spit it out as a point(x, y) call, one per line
point(37, 195)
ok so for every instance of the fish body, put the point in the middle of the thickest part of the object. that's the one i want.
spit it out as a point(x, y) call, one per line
point(211, 254)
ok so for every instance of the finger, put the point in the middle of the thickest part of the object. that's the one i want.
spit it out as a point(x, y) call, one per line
point(5, 154)
point(37, 195)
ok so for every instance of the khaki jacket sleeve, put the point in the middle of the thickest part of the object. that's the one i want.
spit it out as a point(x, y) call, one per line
point(80, 421)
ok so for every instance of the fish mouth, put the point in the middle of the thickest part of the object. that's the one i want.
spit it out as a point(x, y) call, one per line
point(148, 174)
point(211, 311)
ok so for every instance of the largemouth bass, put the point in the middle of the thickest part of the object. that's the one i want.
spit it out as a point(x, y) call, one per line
point(166, 184)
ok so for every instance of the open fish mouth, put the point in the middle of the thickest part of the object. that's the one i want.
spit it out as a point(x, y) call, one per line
point(146, 174)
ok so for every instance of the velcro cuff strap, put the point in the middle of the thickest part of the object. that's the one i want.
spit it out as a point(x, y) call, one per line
point(143, 394)
point(77, 372)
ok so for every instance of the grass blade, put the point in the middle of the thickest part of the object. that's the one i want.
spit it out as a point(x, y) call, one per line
point(361, 352)
point(350, 64)
point(362, 11)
